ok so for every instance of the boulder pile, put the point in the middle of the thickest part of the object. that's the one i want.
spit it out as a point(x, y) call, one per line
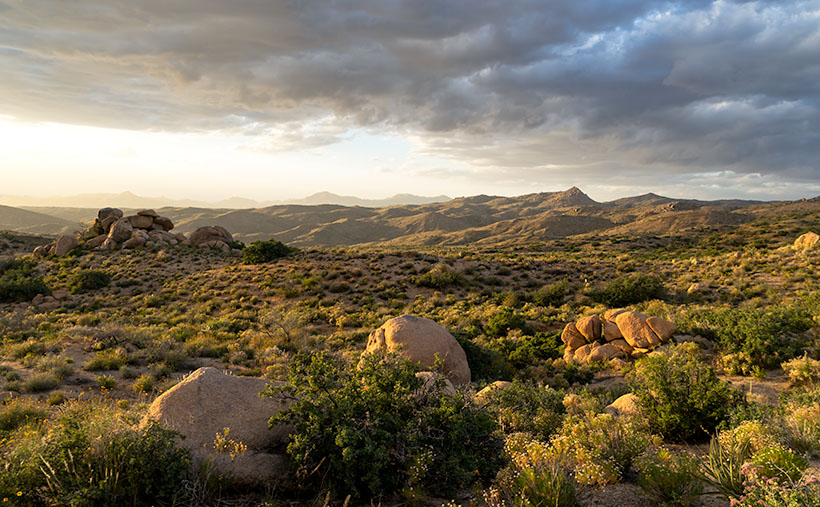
point(620, 334)
point(111, 230)
point(806, 241)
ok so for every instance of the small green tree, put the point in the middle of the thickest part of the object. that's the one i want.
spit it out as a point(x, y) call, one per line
point(259, 252)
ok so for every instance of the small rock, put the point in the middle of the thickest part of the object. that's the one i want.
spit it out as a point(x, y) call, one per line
point(38, 299)
point(611, 331)
point(662, 327)
point(431, 379)
point(164, 222)
point(109, 212)
point(95, 242)
point(483, 396)
point(582, 353)
point(59, 294)
point(40, 251)
point(148, 213)
point(604, 353)
point(622, 345)
point(571, 337)
point(625, 406)
point(107, 222)
point(109, 244)
point(590, 327)
point(140, 221)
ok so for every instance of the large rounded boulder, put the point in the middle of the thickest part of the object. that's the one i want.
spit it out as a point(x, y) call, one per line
point(422, 341)
point(210, 233)
point(207, 402)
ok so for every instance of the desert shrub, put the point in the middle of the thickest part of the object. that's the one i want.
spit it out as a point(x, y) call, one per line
point(527, 350)
point(669, 478)
point(753, 337)
point(801, 493)
point(803, 370)
point(534, 477)
point(528, 408)
point(19, 281)
point(680, 396)
point(19, 413)
point(628, 290)
point(106, 382)
point(502, 321)
point(260, 252)
point(111, 359)
point(144, 384)
point(723, 467)
point(92, 454)
point(40, 382)
point(88, 279)
point(373, 430)
point(552, 294)
point(779, 463)
point(439, 277)
point(599, 448)
point(801, 425)
point(485, 362)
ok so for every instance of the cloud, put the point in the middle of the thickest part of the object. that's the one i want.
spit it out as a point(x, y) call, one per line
point(522, 87)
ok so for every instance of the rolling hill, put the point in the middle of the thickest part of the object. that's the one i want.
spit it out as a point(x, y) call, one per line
point(481, 219)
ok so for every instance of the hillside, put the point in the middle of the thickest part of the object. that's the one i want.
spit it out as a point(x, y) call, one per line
point(481, 219)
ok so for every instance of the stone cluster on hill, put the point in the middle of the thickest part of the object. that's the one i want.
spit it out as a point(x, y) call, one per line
point(807, 241)
point(111, 231)
point(620, 335)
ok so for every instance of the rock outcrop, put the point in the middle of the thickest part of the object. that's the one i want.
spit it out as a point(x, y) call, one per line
point(618, 334)
point(807, 241)
point(422, 341)
point(205, 403)
point(112, 230)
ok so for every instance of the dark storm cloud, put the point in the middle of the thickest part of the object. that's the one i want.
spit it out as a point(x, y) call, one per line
point(544, 85)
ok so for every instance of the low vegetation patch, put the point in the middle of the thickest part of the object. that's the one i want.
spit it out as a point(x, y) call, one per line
point(260, 252)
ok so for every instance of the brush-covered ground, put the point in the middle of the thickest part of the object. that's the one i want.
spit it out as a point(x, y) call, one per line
point(78, 371)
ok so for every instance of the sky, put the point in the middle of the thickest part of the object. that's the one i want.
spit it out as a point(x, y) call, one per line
point(276, 99)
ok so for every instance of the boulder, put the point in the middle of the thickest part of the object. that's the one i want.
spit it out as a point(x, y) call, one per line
point(95, 242)
point(59, 294)
point(604, 353)
point(109, 244)
point(164, 222)
point(611, 331)
point(107, 222)
point(590, 327)
point(40, 251)
point(662, 327)
point(205, 403)
point(622, 345)
point(431, 379)
point(210, 233)
point(121, 230)
point(218, 245)
point(38, 299)
point(636, 331)
point(140, 221)
point(95, 228)
point(148, 213)
point(610, 315)
point(422, 341)
point(582, 353)
point(105, 213)
point(180, 237)
point(483, 396)
point(806, 241)
point(624, 406)
point(134, 241)
point(65, 244)
point(571, 337)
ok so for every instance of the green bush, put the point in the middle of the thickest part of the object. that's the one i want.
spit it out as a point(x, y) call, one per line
point(668, 478)
point(260, 252)
point(374, 430)
point(19, 281)
point(19, 413)
point(440, 277)
point(629, 290)
point(501, 322)
point(552, 294)
point(89, 279)
point(92, 454)
point(680, 396)
point(756, 338)
point(528, 408)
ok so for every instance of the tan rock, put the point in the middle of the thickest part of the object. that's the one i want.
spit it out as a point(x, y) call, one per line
point(121, 230)
point(582, 353)
point(636, 331)
point(638, 352)
point(218, 245)
point(109, 212)
point(610, 315)
point(210, 233)
point(421, 340)
point(569, 355)
point(434, 380)
point(604, 353)
point(59, 294)
point(616, 363)
point(685, 338)
point(180, 237)
point(40, 251)
point(662, 327)
point(590, 327)
point(107, 222)
point(140, 221)
point(38, 299)
point(622, 345)
point(109, 244)
point(806, 241)
point(134, 241)
point(95, 242)
point(65, 244)
point(571, 337)
point(483, 396)
point(208, 401)
point(625, 406)
point(611, 331)
point(164, 222)
point(148, 213)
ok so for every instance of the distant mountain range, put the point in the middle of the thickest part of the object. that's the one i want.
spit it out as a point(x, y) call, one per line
point(130, 200)
point(480, 220)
